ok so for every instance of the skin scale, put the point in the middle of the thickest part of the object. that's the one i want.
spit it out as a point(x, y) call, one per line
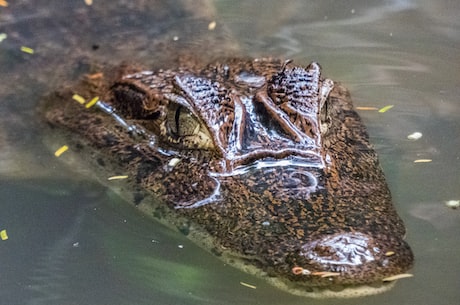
point(262, 162)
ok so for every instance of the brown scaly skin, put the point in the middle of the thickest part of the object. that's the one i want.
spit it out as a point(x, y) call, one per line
point(262, 160)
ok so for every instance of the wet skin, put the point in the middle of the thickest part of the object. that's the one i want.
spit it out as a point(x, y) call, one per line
point(262, 162)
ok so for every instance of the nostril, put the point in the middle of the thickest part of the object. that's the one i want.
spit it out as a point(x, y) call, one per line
point(346, 248)
point(323, 251)
point(353, 257)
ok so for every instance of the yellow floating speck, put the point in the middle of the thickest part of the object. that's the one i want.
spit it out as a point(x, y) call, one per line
point(89, 2)
point(397, 277)
point(118, 177)
point(27, 50)
point(248, 285)
point(367, 108)
point(212, 25)
point(3, 36)
point(3, 235)
point(422, 161)
point(92, 102)
point(386, 108)
point(61, 150)
point(3, 3)
point(79, 98)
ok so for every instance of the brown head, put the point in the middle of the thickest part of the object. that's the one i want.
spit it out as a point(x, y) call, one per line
point(267, 162)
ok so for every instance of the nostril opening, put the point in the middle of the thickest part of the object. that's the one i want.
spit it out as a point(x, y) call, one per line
point(354, 257)
point(348, 248)
point(324, 250)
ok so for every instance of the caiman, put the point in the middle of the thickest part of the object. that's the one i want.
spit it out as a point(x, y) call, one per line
point(262, 162)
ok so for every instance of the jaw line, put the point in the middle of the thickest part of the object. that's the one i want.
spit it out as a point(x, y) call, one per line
point(343, 292)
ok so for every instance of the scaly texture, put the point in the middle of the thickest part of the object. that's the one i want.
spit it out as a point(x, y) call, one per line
point(266, 162)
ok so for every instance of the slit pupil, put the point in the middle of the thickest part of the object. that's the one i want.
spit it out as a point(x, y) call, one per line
point(176, 118)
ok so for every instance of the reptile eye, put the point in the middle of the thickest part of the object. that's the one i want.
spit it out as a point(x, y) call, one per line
point(181, 122)
point(184, 129)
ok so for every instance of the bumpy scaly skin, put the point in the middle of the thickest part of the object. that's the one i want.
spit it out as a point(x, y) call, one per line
point(275, 165)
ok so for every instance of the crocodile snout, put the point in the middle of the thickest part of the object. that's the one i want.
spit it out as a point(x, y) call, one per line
point(353, 258)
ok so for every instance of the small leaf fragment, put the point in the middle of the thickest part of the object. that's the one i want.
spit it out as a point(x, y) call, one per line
point(97, 75)
point(386, 108)
point(397, 277)
point(120, 177)
point(365, 108)
point(325, 273)
point(212, 25)
point(3, 36)
point(61, 150)
point(415, 136)
point(80, 99)
point(248, 285)
point(3, 235)
point(92, 102)
point(423, 161)
point(27, 50)
point(453, 204)
point(173, 162)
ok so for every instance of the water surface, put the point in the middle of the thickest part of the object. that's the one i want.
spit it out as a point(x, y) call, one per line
point(72, 241)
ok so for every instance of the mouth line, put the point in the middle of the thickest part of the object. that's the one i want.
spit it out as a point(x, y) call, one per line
point(339, 290)
point(262, 159)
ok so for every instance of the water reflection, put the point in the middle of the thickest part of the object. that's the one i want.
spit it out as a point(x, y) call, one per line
point(73, 245)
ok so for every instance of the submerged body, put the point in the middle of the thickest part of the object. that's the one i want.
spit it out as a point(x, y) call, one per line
point(262, 162)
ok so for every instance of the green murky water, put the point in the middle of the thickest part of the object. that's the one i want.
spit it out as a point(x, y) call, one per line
point(72, 241)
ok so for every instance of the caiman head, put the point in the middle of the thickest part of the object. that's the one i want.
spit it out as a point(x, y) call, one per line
point(267, 163)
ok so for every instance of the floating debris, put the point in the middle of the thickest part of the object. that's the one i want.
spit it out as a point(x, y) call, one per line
point(27, 50)
point(389, 253)
point(423, 161)
point(3, 36)
point(89, 2)
point(453, 204)
point(79, 98)
point(97, 75)
point(300, 271)
point(61, 150)
point(397, 277)
point(212, 25)
point(173, 162)
point(415, 136)
point(92, 102)
point(386, 108)
point(365, 108)
point(326, 273)
point(248, 285)
point(3, 3)
point(120, 177)
point(3, 235)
